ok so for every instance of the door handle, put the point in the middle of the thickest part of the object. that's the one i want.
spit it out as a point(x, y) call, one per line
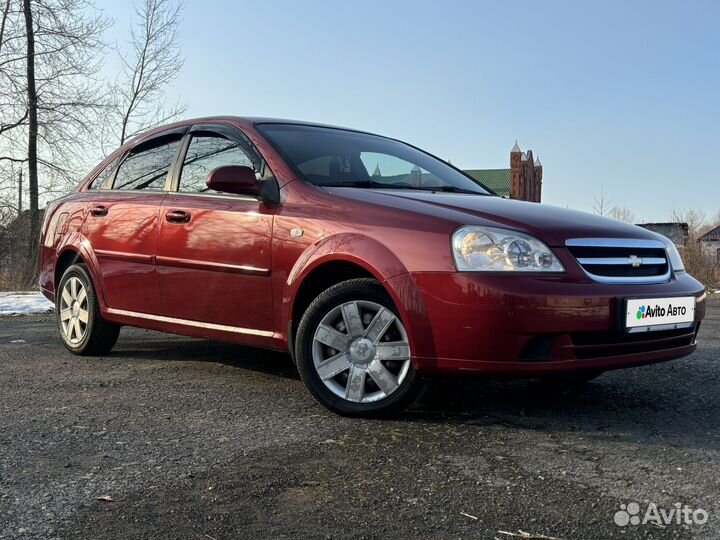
point(177, 216)
point(99, 211)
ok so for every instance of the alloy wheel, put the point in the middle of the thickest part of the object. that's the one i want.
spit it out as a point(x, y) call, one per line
point(361, 351)
point(74, 310)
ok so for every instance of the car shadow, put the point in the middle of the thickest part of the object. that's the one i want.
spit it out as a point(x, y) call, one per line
point(671, 403)
point(664, 404)
point(153, 346)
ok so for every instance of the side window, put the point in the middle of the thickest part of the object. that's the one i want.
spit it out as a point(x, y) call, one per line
point(101, 179)
point(206, 153)
point(147, 166)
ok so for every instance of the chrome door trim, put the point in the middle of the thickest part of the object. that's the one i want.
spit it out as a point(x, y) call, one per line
point(186, 322)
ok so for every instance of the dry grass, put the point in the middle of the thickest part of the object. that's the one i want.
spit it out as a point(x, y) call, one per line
point(701, 264)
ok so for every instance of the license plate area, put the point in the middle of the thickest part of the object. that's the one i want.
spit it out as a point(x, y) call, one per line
point(654, 314)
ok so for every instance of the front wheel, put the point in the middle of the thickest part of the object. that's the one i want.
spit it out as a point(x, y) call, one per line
point(353, 352)
point(81, 326)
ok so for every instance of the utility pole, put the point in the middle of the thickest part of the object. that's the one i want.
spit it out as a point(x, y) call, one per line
point(20, 179)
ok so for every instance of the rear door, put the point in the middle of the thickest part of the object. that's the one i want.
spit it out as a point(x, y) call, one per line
point(122, 224)
point(213, 252)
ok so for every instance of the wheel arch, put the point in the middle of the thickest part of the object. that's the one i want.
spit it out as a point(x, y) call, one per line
point(78, 253)
point(339, 258)
point(64, 261)
point(320, 277)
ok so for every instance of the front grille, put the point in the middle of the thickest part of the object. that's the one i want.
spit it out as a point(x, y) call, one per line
point(621, 260)
point(589, 345)
point(626, 270)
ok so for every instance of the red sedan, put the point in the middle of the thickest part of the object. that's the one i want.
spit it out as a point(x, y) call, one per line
point(373, 262)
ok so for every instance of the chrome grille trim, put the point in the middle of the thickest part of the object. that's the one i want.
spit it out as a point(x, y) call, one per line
point(618, 261)
point(633, 260)
point(615, 242)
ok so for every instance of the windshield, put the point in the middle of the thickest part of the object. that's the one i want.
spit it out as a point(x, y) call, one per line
point(335, 157)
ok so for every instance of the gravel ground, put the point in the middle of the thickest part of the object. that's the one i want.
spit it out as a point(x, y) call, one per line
point(195, 439)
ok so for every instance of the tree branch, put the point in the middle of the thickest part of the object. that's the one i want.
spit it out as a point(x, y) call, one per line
point(20, 122)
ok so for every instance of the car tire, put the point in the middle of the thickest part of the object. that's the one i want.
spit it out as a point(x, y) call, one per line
point(82, 328)
point(353, 353)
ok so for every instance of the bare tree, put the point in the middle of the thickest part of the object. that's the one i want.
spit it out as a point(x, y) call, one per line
point(71, 97)
point(715, 222)
point(50, 55)
point(13, 106)
point(32, 125)
point(701, 263)
point(622, 213)
point(3, 20)
point(53, 107)
point(602, 204)
point(153, 62)
point(694, 218)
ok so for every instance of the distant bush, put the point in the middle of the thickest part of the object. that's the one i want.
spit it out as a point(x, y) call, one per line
point(18, 270)
point(702, 265)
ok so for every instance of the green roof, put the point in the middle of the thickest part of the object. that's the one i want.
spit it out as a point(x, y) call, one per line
point(496, 179)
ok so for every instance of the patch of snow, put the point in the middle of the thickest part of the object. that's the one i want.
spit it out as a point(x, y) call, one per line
point(24, 303)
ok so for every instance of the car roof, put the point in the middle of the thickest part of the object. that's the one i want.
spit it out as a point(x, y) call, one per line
point(242, 121)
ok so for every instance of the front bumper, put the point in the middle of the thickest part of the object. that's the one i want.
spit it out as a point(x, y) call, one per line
point(529, 325)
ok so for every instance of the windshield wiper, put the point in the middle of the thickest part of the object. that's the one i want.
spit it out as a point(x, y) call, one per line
point(372, 184)
point(366, 184)
point(451, 189)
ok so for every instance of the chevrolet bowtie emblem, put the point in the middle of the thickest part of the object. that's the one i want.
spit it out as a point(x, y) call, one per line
point(634, 261)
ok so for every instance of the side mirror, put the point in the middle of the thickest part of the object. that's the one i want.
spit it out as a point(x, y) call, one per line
point(235, 179)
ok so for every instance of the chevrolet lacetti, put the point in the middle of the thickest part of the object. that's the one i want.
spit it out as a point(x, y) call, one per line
point(376, 264)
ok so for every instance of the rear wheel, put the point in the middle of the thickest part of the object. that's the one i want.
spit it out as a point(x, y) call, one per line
point(353, 351)
point(81, 326)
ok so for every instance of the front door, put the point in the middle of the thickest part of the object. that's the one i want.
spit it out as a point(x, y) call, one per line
point(213, 254)
point(122, 225)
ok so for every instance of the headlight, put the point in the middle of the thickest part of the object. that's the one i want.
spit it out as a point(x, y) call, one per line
point(487, 249)
point(673, 255)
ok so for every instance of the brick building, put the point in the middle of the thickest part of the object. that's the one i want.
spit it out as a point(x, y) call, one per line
point(523, 180)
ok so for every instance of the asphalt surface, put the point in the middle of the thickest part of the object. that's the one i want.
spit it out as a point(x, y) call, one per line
point(186, 438)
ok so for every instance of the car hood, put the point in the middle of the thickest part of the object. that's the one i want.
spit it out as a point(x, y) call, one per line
point(551, 224)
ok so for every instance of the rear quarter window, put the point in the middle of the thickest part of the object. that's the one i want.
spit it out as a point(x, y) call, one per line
point(102, 180)
point(146, 167)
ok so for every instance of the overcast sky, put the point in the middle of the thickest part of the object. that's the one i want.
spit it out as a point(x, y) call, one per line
point(616, 94)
